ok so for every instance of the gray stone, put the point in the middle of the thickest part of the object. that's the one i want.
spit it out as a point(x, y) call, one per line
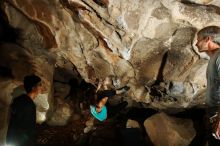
point(132, 124)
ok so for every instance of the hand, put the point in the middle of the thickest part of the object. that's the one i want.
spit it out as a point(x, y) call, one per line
point(216, 132)
point(122, 90)
point(99, 85)
point(127, 88)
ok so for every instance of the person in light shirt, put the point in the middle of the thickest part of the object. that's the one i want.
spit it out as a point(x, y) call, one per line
point(208, 40)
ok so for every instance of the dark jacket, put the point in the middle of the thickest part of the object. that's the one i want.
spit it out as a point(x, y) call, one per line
point(22, 125)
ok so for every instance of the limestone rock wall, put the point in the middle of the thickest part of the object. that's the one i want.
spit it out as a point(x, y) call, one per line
point(145, 44)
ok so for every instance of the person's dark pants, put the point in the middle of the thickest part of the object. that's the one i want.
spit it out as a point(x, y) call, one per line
point(111, 109)
point(114, 109)
point(211, 139)
point(209, 129)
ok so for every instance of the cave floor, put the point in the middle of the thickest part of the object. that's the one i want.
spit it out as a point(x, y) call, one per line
point(113, 131)
point(107, 132)
point(59, 135)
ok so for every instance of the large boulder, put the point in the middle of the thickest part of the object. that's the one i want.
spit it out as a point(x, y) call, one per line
point(165, 130)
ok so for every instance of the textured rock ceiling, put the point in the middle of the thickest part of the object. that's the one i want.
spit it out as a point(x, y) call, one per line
point(145, 44)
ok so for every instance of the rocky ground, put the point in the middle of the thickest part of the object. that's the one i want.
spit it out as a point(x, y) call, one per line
point(114, 131)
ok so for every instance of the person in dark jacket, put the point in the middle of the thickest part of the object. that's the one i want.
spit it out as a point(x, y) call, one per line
point(22, 124)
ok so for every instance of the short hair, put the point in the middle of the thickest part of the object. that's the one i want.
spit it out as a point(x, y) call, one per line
point(30, 82)
point(212, 31)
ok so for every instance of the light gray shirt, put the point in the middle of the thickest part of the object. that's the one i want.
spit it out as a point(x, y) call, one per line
point(213, 81)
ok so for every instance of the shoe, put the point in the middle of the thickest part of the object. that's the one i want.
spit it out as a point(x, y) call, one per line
point(123, 89)
point(126, 88)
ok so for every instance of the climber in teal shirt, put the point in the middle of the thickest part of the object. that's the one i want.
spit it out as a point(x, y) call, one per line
point(102, 115)
point(101, 108)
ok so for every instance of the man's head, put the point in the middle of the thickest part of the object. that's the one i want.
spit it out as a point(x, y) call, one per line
point(32, 83)
point(208, 38)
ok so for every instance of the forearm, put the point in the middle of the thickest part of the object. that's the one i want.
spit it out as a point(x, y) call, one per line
point(118, 91)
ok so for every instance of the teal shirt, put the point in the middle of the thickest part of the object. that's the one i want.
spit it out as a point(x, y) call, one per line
point(102, 115)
